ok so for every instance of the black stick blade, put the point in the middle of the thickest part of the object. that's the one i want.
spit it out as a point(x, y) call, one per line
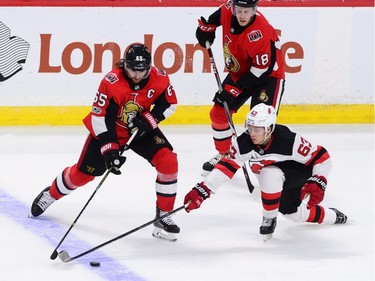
point(54, 255)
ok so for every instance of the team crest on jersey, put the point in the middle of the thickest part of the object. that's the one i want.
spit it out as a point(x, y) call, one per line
point(159, 140)
point(254, 35)
point(231, 63)
point(129, 111)
point(257, 166)
point(263, 97)
point(111, 77)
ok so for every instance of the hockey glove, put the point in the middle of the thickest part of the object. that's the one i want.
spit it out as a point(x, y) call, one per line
point(197, 195)
point(315, 186)
point(228, 95)
point(112, 158)
point(205, 32)
point(144, 123)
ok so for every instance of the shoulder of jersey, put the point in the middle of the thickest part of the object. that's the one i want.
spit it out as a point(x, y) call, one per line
point(158, 72)
point(282, 131)
point(159, 76)
point(113, 76)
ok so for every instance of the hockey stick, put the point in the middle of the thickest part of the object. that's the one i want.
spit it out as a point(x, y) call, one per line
point(65, 257)
point(126, 147)
point(250, 186)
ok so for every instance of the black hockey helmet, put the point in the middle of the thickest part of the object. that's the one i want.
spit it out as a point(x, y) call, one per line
point(137, 57)
point(246, 3)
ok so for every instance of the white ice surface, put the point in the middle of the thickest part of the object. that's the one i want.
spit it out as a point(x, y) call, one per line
point(220, 241)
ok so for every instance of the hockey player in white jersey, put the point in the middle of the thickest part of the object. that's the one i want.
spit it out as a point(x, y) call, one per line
point(292, 172)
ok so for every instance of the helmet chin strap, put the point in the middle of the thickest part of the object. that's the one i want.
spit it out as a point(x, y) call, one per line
point(267, 136)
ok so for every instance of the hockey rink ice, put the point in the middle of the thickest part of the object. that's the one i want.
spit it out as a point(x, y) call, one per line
point(220, 241)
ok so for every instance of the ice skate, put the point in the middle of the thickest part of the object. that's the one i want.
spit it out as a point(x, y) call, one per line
point(267, 228)
point(165, 228)
point(42, 202)
point(341, 218)
point(210, 164)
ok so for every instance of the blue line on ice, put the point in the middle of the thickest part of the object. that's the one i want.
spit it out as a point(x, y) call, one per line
point(18, 212)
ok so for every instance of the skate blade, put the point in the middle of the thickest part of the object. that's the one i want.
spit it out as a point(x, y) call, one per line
point(350, 221)
point(205, 173)
point(162, 234)
point(266, 237)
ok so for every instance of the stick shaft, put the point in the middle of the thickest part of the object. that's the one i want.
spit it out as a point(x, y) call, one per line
point(250, 186)
point(126, 233)
point(126, 147)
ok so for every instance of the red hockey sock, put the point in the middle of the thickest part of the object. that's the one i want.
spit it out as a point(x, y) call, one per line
point(317, 214)
point(166, 165)
point(70, 179)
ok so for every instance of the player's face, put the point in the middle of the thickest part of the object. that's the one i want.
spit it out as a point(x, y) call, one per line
point(243, 14)
point(137, 76)
point(257, 134)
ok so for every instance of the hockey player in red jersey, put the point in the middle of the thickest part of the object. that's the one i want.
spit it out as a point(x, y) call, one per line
point(292, 172)
point(253, 58)
point(133, 95)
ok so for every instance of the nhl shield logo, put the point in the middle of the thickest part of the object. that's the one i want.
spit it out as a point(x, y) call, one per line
point(13, 52)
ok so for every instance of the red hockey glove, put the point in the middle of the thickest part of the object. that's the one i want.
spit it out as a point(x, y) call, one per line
point(228, 95)
point(112, 158)
point(315, 186)
point(197, 195)
point(145, 123)
point(205, 32)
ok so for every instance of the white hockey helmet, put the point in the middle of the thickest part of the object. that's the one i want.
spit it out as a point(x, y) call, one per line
point(261, 115)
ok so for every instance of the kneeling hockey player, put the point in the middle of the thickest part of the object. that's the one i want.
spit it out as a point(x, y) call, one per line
point(289, 169)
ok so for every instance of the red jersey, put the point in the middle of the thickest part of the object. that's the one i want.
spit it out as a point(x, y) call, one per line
point(251, 52)
point(117, 102)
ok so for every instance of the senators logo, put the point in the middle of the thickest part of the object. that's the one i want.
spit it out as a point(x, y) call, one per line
point(129, 111)
point(263, 96)
point(231, 62)
point(159, 140)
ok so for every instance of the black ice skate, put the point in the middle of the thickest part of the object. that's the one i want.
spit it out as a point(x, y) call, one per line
point(267, 228)
point(341, 218)
point(210, 164)
point(42, 202)
point(165, 228)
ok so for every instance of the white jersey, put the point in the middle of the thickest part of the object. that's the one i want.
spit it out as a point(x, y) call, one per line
point(286, 147)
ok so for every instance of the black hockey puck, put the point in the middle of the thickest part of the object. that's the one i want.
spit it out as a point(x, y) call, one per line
point(94, 263)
